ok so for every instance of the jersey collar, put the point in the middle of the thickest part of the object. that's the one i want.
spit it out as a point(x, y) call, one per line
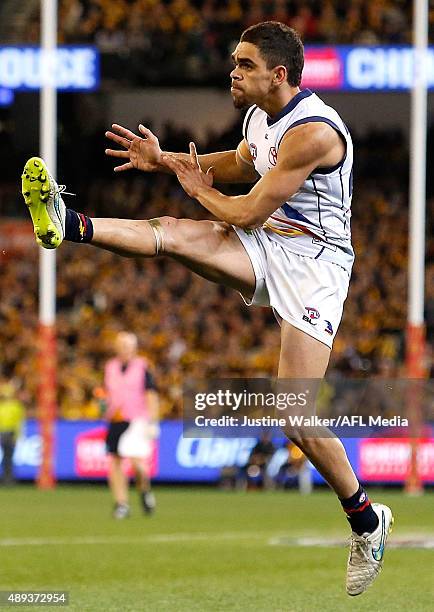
point(289, 107)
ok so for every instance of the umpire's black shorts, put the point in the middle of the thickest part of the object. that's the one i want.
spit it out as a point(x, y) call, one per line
point(114, 432)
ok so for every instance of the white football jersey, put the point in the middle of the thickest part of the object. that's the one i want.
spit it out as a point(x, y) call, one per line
point(315, 221)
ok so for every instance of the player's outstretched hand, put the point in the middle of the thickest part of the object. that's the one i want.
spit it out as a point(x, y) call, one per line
point(189, 172)
point(141, 153)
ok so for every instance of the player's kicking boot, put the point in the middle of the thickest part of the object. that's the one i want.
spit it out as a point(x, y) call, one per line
point(367, 551)
point(42, 196)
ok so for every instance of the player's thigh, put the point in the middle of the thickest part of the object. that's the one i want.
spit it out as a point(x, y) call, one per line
point(212, 249)
point(137, 464)
point(301, 355)
point(115, 462)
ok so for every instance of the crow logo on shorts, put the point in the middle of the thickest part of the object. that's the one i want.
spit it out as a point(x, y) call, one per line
point(329, 328)
point(312, 315)
point(253, 151)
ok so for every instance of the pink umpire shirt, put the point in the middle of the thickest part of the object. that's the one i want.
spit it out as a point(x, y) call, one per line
point(126, 398)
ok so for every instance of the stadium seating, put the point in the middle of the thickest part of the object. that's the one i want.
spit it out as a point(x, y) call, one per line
point(188, 327)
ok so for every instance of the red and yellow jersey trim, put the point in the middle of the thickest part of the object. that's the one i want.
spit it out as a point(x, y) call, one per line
point(292, 230)
point(283, 232)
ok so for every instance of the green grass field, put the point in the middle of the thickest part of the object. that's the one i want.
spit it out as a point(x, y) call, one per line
point(204, 550)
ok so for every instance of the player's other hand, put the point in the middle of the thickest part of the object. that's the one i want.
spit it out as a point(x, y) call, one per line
point(189, 172)
point(142, 152)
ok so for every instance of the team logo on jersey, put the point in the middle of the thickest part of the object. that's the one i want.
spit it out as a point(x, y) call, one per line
point(311, 316)
point(272, 156)
point(253, 151)
point(329, 328)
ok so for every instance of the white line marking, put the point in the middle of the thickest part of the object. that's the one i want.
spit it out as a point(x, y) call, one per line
point(404, 541)
point(417, 540)
point(157, 538)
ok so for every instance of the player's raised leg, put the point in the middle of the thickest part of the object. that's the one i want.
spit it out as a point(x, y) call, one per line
point(209, 248)
point(304, 357)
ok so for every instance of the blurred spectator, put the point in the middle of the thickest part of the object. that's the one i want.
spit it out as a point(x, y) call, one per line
point(255, 470)
point(12, 414)
point(293, 467)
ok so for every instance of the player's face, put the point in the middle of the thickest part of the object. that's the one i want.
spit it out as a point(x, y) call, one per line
point(251, 79)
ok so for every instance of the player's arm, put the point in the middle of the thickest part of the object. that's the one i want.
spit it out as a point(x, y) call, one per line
point(152, 401)
point(227, 166)
point(144, 153)
point(303, 149)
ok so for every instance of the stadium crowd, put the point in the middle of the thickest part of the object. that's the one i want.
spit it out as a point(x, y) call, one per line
point(153, 40)
point(188, 327)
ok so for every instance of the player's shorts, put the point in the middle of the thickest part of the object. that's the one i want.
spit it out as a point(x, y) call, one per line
point(129, 439)
point(114, 432)
point(306, 292)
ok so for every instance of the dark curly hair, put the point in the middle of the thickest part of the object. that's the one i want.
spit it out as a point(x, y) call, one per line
point(279, 45)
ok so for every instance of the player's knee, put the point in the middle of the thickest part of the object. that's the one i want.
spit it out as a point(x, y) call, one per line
point(303, 439)
point(178, 234)
point(182, 236)
point(173, 236)
point(168, 223)
point(164, 229)
point(313, 443)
